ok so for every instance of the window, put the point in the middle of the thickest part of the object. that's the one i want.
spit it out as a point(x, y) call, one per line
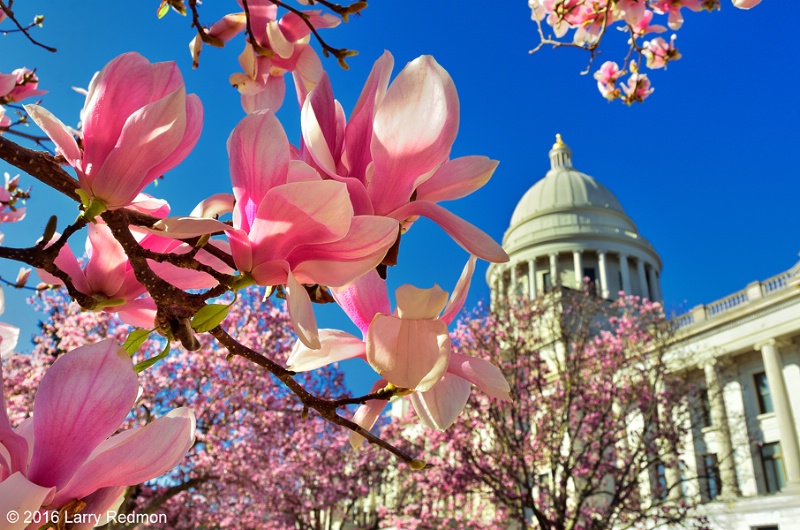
point(589, 273)
point(762, 392)
point(547, 282)
point(711, 472)
point(771, 527)
point(774, 477)
point(660, 486)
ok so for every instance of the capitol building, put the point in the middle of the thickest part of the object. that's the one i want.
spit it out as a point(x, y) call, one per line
point(568, 228)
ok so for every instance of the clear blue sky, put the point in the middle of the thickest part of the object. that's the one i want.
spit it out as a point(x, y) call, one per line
point(707, 167)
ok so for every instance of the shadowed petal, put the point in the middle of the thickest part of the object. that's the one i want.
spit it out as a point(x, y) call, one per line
point(408, 353)
point(58, 132)
point(367, 414)
point(483, 374)
point(416, 303)
point(335, 346)
point(301, 313)
point(18, 494)
point(142, 454)
point(363, 299)
point(81, 401)
point(439, 407)
point(459, 295)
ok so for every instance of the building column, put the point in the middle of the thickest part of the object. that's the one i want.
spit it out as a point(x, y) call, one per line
point(601, 262)
point(512, 293)
point(719, 420)
point(651, 272)
point(532, 278)
point(578, 264)
point(642, 279)
point(554, 270)
point(790, 450)
point(626, 273)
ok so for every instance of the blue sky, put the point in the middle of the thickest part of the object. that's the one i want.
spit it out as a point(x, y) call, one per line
point(706, 167)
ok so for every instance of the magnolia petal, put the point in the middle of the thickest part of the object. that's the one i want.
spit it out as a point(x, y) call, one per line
point(335, 346)
point(408, 353)
point(214, 206)
point(363, 299)
point(483, 374)
point(473, 240)
point(414, 303)
point(139, 313)
point(358, 134)
point(460, 292)
point(228, 26)
point(9, 337)
point(144, 453)
point(259, 160)
point(269, 98)
point(367, 414)
point(301, 313)
point(20, 495)
point(186, 227)
point(338, 263)
point(300, 213)
point(307, 72)
point(105, 270)
point(299, 171)
point(277, 40)
point(15, 445)
point(191, 134)
point(148, 137)
point(439, 407)
point(58, 132)
point(457, 178)
point(414, 129)
point(318, 124)
point(81, 401)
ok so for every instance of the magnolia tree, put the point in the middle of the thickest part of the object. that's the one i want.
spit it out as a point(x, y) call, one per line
point(304, 477)
point(585, 24)
point(592, 437)
point(319, 221)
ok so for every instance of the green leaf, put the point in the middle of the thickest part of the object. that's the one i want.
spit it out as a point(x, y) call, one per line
point(209, 317)
point(135, 340)
point(147, 363)
point(163, 8)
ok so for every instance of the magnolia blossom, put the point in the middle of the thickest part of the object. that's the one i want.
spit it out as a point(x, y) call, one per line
point(138, 123)
point(288, 50)
point(68, 451)
point(607, 77)
point(18, 85)
point(659, 52)
point(394, 152)
point(410, 348)
point(637, 89)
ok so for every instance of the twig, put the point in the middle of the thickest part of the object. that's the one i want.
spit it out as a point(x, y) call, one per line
point(10, 14)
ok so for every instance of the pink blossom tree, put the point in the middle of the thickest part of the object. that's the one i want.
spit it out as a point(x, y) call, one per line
point(592, 437)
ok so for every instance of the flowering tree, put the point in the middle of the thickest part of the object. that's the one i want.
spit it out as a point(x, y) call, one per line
point(317, 222)
point(305, 477)
point(592, 436)
point(585, 24)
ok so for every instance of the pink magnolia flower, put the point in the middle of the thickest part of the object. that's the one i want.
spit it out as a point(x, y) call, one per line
point(394, 153)
point(290, 226)
point(607, 77)
point(410, 348)
point(138, 123)
point(642, 26)
point(18, 85)
point(68, 449)
point(637, 89)
point(660, 52)
point(261, 84)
